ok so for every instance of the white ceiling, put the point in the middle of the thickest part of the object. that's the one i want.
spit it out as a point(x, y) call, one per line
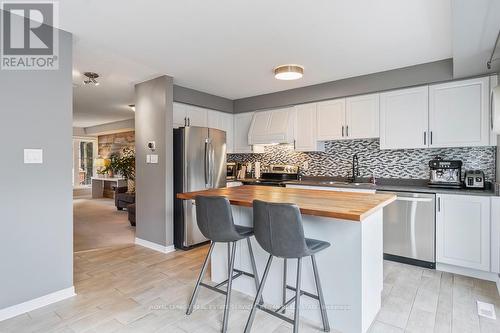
point(476, 26)
point(229, 48)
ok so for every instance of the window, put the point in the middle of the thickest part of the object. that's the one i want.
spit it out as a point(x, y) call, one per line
point(84, 154)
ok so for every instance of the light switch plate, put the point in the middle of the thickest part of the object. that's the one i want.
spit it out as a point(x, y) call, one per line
point(33, 156)
point(148, 158)
point(154, 159)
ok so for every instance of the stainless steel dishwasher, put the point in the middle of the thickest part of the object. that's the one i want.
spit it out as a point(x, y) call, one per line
point(410, 229)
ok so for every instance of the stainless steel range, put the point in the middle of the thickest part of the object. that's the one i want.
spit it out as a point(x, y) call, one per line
point(274, 175)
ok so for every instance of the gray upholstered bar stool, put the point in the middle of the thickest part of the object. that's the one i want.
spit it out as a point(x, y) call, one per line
point(215, 220)
point(279, 231)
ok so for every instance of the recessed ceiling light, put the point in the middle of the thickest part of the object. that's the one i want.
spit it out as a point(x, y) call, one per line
point(132, 106)
point(91, 78)
point(289, 72)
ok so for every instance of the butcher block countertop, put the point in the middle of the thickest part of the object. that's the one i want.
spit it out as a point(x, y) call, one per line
point(340, 205)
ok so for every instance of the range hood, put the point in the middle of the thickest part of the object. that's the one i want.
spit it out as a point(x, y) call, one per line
point(272, 127)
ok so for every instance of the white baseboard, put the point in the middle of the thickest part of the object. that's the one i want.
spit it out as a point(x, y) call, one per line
point(18, 309)
point(467, 272)
point(154, 246)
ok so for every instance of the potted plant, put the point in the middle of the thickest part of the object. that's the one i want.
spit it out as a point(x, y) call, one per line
point(126, 167)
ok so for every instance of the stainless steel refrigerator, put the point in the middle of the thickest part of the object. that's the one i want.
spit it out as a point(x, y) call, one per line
point(199, 163)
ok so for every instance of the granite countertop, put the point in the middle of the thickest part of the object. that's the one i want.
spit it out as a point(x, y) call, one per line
point(390, 184)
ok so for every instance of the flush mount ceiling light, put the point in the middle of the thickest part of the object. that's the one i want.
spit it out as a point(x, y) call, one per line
point(288, 72)
point(132, 106)
point(91, 78)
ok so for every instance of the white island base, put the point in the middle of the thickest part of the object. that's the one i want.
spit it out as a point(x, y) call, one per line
point(351, 270)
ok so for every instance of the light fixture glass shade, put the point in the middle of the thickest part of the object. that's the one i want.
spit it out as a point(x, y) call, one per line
point(288, 72)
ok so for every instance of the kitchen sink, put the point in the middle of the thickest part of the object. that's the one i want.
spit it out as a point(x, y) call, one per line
point(340, 183)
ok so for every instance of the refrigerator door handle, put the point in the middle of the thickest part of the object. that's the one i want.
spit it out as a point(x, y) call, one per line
point(211, 165)
point(206, 164)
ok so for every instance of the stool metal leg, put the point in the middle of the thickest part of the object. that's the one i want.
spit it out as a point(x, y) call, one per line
point(229, 285)
point(284, 286)
point(324, 315)
point(297, 297)
point(248, 326)
point(254, 268)
point(200, 278)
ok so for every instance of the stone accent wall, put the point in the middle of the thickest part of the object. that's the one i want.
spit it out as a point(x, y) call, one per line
point(114, 143)
point(403, 163)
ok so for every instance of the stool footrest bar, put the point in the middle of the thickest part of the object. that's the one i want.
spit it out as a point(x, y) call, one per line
point(305, 293)
point(272, 312)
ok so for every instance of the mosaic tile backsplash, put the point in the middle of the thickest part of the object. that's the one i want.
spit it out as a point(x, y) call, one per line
point(405, 163)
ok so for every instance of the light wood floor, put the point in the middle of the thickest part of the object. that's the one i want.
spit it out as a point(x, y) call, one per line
point(98, 224)
point(134, 289)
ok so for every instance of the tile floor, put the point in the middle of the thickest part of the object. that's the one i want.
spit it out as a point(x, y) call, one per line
point(134, 289)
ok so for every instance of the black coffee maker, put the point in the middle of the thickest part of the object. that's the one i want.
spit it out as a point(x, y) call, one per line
point(445, 173)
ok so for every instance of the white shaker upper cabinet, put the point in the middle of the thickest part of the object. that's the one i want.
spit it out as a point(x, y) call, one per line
point(179, 118)
point(330, 120)
point(241, 127)
point(305, 129)
point(463, 231)
point(226, 123)
point(404, 118)
point(459, 113)
point(362, 116)
point(196, 116)
point(188, 115)
point(222, 121)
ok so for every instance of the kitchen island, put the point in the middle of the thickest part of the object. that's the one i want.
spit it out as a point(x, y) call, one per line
point(351, 270)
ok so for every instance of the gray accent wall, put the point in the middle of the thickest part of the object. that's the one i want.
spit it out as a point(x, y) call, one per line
point(154, 182)
point(437, 71)
point(36, 223)
point(198, 98)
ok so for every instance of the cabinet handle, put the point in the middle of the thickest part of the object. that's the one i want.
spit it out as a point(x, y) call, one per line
point(439, 204)
point(347, 130)
point(425, 138)
point(185, 121)
point(492, 101)
point(431, 137)
point(342, 131)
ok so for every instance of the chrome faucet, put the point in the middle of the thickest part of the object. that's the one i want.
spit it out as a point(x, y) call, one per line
point(355, 168)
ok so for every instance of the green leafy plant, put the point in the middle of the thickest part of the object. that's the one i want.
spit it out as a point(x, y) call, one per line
point(123, 164)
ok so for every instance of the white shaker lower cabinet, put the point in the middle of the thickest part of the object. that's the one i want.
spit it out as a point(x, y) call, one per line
point(459, 114)
point(495, 235)
point(463, 231)
point(306, 138)
point(404, 116)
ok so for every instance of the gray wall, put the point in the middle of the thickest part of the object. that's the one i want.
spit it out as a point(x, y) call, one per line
point(154, 182)
point(403, 77)
point(36, 237)
point(198, 98)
